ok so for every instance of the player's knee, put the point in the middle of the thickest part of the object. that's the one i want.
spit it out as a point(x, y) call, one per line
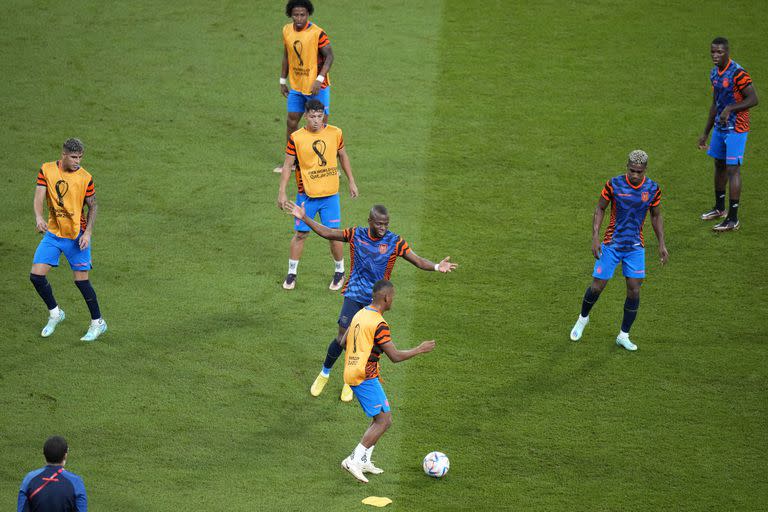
point(384, 420)
point(301, 235)
point(597, 286)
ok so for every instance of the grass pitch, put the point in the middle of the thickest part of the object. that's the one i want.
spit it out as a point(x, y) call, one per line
point(488, 130)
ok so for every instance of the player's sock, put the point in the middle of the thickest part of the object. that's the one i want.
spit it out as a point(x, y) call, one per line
point(55, 312)
point(733, 210)
point(339, 265)
point(720, 200)
point(624, 335)
point(334, 351)
point(369, 452)
point(359, 454)
point(293, 266)
point(89, 294)
point(630, 313)
point(44, 290)
point(590, 298)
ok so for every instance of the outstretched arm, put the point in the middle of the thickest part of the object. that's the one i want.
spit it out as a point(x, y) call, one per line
point(299, 212)
point(658, 227)
point(597, 221)
point(424, 264)
point(395, 355)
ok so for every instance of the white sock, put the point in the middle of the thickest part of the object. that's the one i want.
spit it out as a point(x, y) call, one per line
point(339, 265)
point(369, 452)
point(292, 266)
point(55, 312)
point(359, 454)
point(623, 335)
point(98, 321)
point(583, 319)
point(325, 372)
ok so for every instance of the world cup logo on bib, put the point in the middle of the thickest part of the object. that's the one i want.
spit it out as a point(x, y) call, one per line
point(297, 47)
point(61, 187)
point(319, 148)
point(383, 248)
point(645, 197)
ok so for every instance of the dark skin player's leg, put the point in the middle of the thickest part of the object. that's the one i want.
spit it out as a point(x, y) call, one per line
point(381, 422)
point(633, 288)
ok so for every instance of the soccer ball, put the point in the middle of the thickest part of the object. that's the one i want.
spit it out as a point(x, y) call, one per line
point(436, 464)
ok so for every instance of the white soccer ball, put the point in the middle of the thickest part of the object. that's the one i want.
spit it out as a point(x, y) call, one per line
point(436, 464)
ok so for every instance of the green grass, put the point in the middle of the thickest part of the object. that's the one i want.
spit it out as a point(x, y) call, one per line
point(488, 130)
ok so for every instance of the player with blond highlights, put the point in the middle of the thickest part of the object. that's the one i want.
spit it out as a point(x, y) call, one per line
point(631, 196)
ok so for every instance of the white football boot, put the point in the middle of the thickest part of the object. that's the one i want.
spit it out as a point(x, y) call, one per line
point(95, 330)
point(353, 467)
point(578, 328)
point(53, 321)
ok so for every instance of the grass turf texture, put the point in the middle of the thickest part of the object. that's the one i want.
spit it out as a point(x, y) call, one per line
point(488, 130)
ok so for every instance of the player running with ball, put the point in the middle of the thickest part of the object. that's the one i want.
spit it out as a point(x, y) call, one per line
point(367, 338)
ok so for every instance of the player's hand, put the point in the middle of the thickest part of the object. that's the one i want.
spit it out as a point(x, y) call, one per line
point(722, 119)
point(284, 90)
point(427, 346)
point(85, 241)
point(294, 209)
point(282, 198)
point(353, 193)
point(446, 266)
point(41, 225)
point(597, 251)
point(702, 142)
point(316, 87)
point(663, 254)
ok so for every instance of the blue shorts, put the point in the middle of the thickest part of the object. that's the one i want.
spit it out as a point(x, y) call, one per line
point(371, 396)
point(348, 310)
point(297, 101)
point(632, 263)
point(728, 145)
point(328, 207)
point(51, 246)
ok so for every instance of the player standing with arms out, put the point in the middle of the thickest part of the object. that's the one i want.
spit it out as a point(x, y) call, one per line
point(307, 59)
point(68, 188)
point(367, 338)
point(318, 148)
point(732, 96)
point(373, 251)
point(631, 196)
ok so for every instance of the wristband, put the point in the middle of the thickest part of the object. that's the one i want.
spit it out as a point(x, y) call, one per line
point(437, 267)
point(283, 81)
point(320, 78)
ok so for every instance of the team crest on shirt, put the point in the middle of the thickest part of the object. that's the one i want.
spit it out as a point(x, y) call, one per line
point(383, 248)
point(645, 197)
point(725, 82)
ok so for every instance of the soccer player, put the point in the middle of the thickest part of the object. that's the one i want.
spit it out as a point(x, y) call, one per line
point(318, 148)
point(68, 188)
point(52, 487)
point(631, 196)
point(307, 59)
point(732, 96)
point(373, 252)
point(367, 338)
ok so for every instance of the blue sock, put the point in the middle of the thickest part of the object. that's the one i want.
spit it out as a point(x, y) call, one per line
point(334, 351)
point(90, 298)
point(44, 290)
point(630, 313)
point(590, 298)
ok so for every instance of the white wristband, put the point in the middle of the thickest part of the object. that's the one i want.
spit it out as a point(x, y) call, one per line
point(320, 78)
point(283, 81)
point(437, 267)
